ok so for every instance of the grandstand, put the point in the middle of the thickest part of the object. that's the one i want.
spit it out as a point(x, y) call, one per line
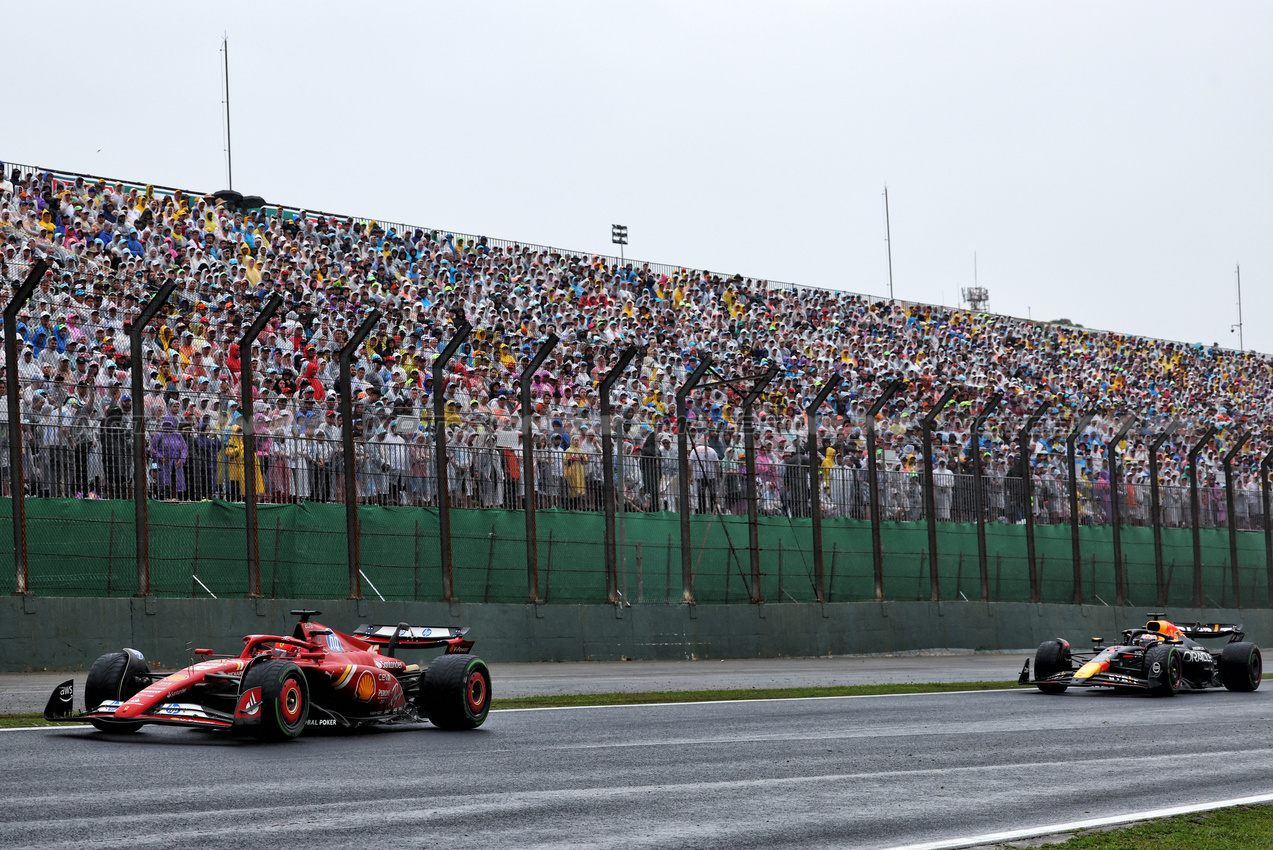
point(111, 244)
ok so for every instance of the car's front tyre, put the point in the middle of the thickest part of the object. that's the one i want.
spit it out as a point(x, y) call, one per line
point(284, 698)
point(115, 676)
point(1164, 669)
point(1052, 657)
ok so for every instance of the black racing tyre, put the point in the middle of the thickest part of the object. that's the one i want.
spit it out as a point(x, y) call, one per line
point(115, 676)
point(284, 698)
point(1052, 657)
point(1241, 666)
point(456, 692)
point(1164, 669)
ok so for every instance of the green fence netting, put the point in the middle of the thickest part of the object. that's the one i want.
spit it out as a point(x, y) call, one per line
point(87, 548)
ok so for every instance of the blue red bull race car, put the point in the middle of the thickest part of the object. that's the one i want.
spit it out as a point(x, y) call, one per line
point(279, 686)
point(1161, 659)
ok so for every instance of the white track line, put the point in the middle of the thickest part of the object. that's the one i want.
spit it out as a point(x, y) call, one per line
point(759, 699)
point(1074, 826)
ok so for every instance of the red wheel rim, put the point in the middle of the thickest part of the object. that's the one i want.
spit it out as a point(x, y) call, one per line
point(291, 701)
point(477, 692)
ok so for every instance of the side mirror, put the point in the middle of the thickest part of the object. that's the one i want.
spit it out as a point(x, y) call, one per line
point(1096, 642)
point(204, 652)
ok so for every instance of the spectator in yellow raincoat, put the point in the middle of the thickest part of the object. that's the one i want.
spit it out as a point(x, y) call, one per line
point(234, 464)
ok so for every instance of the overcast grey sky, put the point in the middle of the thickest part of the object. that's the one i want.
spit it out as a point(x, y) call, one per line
point(1107, 162)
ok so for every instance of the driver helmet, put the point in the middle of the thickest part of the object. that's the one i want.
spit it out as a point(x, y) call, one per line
point(1147, 640)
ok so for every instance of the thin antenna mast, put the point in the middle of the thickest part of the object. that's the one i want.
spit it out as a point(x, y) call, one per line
point(888, 239)
point(1241, 347)
point(229, 156)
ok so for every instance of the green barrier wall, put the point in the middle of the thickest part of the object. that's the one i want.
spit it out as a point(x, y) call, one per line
point(86, 548)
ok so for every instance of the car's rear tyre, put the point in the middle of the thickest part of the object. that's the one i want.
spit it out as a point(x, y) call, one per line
point(1241, 666)
point(1052, 657)
point(115, 676)
point(456, 692)
point(284, 699)
point(1164, 669)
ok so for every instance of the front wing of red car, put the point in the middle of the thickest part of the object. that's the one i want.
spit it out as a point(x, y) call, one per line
point(59, 709)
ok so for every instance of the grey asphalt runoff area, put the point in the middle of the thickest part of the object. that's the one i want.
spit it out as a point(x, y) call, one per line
point(27, 692)
point(868, 772)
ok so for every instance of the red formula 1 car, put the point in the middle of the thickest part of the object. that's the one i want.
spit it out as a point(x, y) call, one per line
point(277, 687)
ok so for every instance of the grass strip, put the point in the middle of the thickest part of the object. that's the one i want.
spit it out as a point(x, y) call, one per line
point(1239, 828)
point(646, 697)
point(11, 721)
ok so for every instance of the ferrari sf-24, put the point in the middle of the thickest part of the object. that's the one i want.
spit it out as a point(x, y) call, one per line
point(279, 686)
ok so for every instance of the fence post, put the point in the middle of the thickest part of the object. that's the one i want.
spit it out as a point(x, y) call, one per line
point(1076, 596)
point(873, 483)
point(683, 468)
point(345, 358)
point(249, 440)
point(815, 489)
point(1155, 503)
point(930, 497)
point(607, 471)
point(13, 394)
point(1265, 466)
point(140, 477)
point(1233, 522)
point(749, 448)
point(979, 496)
point(462, 328)
point(528, 469)
point(1195, 509)
point(1027, 488)
point(1115, 510)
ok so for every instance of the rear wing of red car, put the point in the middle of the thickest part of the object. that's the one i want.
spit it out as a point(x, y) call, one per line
point(1195, 631)
point(403, 636)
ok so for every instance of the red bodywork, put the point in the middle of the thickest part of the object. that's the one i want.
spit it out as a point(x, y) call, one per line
point(349, 678)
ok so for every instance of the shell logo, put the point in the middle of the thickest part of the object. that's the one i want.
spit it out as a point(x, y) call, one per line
point(366, 688)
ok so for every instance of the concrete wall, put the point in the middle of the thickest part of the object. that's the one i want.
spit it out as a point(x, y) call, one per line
point(43, 633)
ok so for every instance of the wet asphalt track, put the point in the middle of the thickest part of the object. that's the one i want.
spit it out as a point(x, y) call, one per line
point(855, 772)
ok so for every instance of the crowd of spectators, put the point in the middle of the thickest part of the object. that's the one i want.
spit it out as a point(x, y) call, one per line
point(110, 246)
